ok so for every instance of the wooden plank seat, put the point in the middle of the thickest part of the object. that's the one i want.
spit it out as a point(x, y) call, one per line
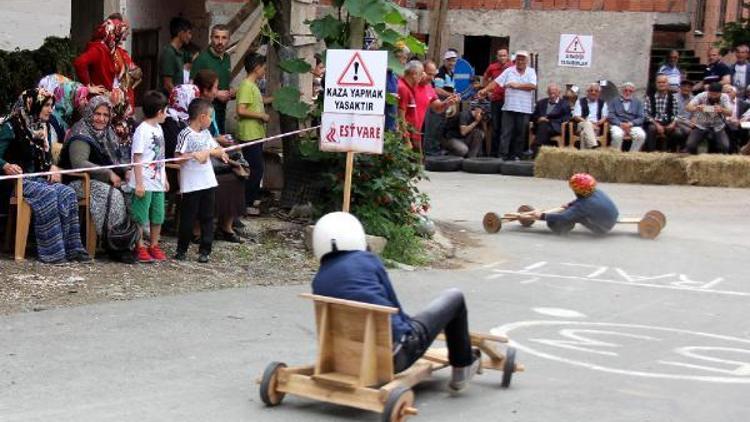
point(19, 219)
point(354, 366)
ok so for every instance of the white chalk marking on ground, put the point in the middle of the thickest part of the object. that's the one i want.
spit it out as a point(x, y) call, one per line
point(493, 264)
point(559, 312)
point(710, 283)
point(578, 340)
point(505, 330)
point(531, 280)
point(599, 269)
point(534, 266)
point(625, 283)
point(494, 276)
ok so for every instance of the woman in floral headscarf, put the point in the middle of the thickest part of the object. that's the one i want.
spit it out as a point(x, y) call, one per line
point(26, 147)
point(106, 63)
point(92, 142)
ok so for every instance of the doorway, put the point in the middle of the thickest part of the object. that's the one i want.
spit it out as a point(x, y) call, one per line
point(480, 50)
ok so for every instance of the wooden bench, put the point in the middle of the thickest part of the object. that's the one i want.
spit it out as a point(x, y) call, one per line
point(354, 366)
point(602, 138)
point(557, 139)
point(19, 219)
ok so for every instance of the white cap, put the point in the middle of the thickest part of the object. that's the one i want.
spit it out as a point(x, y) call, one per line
point(450, 54)
point(522, 53)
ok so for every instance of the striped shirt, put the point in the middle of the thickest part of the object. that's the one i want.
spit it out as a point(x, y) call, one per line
point(517, 100)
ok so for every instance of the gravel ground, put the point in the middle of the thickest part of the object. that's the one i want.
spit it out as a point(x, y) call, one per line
point(278, 258)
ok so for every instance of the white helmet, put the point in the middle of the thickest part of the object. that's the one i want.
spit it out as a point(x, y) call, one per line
point(338, 231)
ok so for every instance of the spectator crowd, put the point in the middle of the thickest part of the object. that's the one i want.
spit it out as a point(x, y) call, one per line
point(90, 123)
point(500, 117)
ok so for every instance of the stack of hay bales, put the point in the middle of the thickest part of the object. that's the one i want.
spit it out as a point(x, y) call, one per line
point(646, 168)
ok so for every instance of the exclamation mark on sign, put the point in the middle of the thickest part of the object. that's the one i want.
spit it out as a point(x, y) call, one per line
point(356, 70)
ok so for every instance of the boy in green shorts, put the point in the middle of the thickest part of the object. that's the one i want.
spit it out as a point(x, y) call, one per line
point(150, 180)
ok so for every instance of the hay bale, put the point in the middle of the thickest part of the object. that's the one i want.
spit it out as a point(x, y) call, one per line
point(731, 171)
point(611, 166)
point(646, 168)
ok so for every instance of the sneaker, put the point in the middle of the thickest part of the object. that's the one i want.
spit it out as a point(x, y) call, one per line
point(180, 256)
point(228, 237)
point(462, 375)
point(203, 258)
point(157, 253)
point(142, 255)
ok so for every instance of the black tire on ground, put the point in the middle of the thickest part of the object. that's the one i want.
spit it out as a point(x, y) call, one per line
point(509, 366)
point(517, 168)
point(268, 393)
point(443, 163)
point(482, 165)
point(398, 399)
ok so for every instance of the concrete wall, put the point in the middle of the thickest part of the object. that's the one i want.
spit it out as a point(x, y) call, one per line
point(150, 14)
point(24, 27)
point(622, 40)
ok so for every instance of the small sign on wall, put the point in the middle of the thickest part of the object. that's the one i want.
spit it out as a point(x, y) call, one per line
point(575, 50)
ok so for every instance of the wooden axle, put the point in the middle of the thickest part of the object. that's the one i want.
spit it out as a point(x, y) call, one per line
point(649, 226)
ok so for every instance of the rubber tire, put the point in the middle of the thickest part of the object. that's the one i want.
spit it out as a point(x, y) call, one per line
point(482, 165)
point(509, 365)
point(517, 168)
point(268, 381)
point(393, 400)
point(443, 163)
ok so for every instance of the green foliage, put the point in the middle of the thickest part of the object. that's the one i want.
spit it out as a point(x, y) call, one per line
point(372, 11)
point(22, 69)
point(295, 66)
point(327, 28)
point(384, 193)
point(385, 196)
point(734, 33)
point(286, 101)
point(269, 11)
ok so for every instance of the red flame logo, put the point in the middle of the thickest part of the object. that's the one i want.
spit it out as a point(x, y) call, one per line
point(331, 135)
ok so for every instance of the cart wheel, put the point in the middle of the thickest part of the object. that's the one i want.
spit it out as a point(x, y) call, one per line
point(398, 407)
point(649, 227)
point(509, 366)
point(268, 384)
point(526, 222)
point(659, 216)
point(492, 222)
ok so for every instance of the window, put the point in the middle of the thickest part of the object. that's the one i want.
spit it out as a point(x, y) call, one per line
point(722, 16)
point(700, 17)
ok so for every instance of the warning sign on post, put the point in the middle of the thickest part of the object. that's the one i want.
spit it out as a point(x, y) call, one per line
point(355, 81)
point(575, 50)
point(354, 101)
point(352, 132)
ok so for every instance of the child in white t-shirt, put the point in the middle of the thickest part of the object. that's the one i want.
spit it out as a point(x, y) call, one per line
point(149, 181)
point(197, 180)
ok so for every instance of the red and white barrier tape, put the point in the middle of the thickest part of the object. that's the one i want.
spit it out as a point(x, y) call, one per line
point(167, 160)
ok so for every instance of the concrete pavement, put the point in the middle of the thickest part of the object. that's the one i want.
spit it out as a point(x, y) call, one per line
point(610, 329)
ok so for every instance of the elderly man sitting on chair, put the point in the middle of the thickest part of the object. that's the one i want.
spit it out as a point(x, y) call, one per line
point(348, 271)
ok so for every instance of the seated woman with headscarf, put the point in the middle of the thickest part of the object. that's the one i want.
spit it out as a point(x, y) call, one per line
point(26, 147)
point(92, 142)
point(230, 192)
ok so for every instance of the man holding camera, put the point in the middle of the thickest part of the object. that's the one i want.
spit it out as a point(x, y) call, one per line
point(464, 135)
point(710, 108)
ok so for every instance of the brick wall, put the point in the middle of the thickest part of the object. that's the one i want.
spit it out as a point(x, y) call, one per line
point(665, 6)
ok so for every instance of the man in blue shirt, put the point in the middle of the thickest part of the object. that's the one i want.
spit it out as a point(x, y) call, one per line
point(592, 208)
point(348, 271)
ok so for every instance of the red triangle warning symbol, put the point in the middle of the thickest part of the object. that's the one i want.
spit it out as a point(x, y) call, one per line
point(575, 46)
point(355, 73)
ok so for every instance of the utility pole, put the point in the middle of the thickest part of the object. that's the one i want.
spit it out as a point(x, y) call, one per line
point(437, 24)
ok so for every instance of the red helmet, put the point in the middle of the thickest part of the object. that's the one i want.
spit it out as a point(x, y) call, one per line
point(582, 184)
